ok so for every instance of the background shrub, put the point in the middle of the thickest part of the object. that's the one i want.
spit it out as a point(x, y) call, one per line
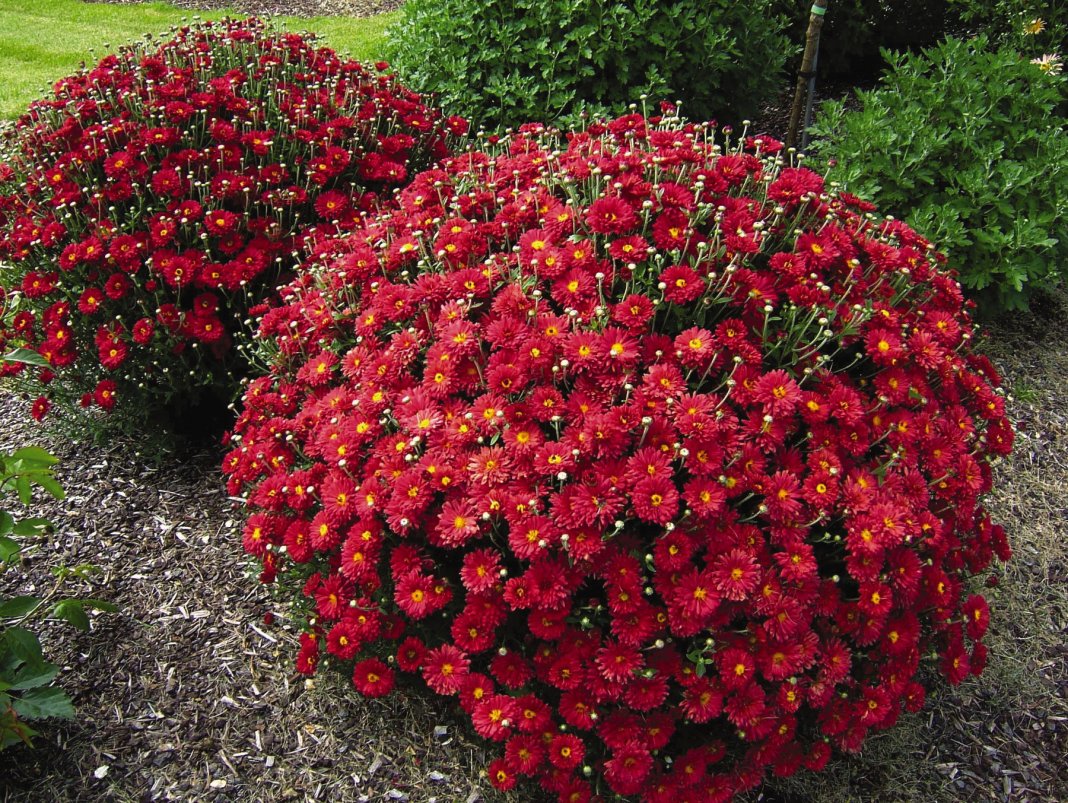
point(638, 435)
point(510, 62)
point(967, 144)
point(855, 31)
point(162, 193)
point(1030, 23)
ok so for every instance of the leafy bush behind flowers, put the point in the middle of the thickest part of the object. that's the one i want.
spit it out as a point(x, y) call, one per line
point(513, 61)
point(162, 193)
point(662, 459)
point(966, 143)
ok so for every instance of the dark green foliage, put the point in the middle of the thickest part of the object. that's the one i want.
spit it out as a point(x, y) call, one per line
point(516, 61)
point(855, 31)
point(967, 144)
point(1014, 21)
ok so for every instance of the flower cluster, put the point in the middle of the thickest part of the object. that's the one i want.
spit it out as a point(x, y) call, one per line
point(163, 192)
point(661, 458)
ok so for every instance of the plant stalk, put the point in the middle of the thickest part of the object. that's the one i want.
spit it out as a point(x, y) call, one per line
point(808, 66)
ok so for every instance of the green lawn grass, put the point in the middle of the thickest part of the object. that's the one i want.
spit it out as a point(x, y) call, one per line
point(43, 40)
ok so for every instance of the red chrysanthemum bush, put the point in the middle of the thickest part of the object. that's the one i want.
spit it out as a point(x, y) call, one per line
point(663, 459)
point(162, 193)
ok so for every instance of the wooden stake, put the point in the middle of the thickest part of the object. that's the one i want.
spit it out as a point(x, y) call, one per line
point(808, 65)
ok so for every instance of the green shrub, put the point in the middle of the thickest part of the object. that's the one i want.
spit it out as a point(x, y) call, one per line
point(1027, 23)
point(967, 144)
point(855, 31)
point(515, 61)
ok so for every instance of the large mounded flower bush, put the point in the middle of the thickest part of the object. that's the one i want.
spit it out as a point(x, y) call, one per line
point(661, 458)
point(162, 193)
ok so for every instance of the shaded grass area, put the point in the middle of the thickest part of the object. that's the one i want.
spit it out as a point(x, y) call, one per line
point(43, 40)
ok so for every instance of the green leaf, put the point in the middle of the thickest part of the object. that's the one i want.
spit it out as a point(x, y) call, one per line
point(28, 527)
point(99, 605)
point(43, 703)
point(7, 523)
point(31, 676)
point(17, 607)
point(9, 548)
point(22, 486)
point(23, 645)
point(12, 729)
point(53, 487)
point(82, 570)
point(28, 356)
point(71, 610)
point(8, 662)
point(35, 455)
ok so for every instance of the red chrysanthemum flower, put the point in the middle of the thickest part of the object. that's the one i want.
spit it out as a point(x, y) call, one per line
point(736, 574)
point(976, 616)
point(611, 215)
point(681, 284)
point(501, 775)
point(566, 751)
point(495, 716)
point(444, 669)
point(41, 406)
point(655, 500)
point(104, 394)
point(372, 678)
point(627, 770)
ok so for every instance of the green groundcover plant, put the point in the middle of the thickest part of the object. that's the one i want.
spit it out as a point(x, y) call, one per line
point(662, 458)
point(160, 194)
point(966, 143)
point(506, 63)
point(27, 688)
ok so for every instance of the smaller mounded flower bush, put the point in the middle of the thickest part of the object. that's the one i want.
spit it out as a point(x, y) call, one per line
point(162, 193)
point(663, 460)
point(967, 144)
